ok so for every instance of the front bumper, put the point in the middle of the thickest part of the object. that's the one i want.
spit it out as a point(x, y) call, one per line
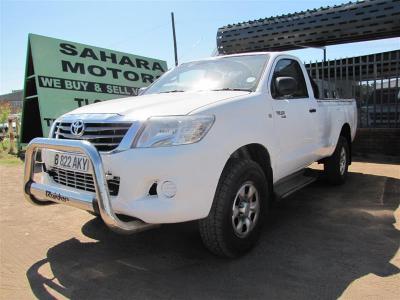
point(191, 168)
point(41, 193)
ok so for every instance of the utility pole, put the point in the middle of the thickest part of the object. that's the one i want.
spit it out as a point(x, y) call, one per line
point(174, 35)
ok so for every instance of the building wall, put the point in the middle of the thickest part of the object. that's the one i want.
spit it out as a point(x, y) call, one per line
point(15, 98)
point(383, 141)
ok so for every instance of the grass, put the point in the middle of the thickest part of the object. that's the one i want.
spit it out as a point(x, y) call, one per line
point(7, 159)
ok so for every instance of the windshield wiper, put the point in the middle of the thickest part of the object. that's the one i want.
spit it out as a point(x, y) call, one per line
point(233, 89)
point(172, 91)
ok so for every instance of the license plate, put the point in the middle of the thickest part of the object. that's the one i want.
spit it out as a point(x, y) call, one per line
point(72, 162)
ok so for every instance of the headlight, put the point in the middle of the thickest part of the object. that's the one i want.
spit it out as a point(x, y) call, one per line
point(173, 130)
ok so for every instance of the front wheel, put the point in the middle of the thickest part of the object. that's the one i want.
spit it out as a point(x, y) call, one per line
point(238, 211)
point(336, 166)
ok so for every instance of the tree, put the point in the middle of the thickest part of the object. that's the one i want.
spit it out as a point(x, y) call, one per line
point(5, 110)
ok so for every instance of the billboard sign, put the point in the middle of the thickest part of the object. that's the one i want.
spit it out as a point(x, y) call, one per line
point(61, 76)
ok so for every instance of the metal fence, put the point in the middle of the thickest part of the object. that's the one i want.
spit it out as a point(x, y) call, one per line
point(373, 80)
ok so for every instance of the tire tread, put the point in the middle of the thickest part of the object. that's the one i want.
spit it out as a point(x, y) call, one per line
point(331, 169)
point(210, 228)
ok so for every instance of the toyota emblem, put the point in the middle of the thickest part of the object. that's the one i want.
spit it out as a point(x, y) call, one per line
point(77, 128)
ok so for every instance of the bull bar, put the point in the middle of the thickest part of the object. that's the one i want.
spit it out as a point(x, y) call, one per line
point(43, 194)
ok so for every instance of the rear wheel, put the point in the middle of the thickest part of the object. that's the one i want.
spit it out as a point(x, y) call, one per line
point(239, 207)
point(336, 166)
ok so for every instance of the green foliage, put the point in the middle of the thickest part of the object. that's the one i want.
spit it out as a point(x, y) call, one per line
point(5, 144)
point(5, 110)
point(5, 157)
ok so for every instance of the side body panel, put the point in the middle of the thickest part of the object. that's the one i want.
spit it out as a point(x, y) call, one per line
point(295, 125)
point(333, 114)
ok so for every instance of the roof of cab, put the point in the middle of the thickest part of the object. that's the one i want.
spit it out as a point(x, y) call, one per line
point(271, 54)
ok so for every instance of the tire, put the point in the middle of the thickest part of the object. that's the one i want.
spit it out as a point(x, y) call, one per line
point(241, 201)
point(336, 167)
point(94, 214)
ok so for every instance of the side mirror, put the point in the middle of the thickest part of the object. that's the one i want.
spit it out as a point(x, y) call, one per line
point(285, 86)
point(142, 90)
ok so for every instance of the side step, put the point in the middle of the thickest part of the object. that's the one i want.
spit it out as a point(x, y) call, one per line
point(288, 185)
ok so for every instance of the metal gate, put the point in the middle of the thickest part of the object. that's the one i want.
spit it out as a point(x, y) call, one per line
point(373, 80)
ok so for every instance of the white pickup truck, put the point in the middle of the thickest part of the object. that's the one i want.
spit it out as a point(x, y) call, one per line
point(214, 140)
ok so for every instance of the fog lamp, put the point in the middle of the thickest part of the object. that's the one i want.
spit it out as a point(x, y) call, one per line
point(168, 188)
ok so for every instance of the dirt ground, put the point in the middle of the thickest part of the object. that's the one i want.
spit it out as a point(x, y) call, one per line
point(322, 243)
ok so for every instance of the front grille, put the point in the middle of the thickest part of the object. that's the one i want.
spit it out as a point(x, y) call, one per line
point(104, 136)
point(81, 181)
point(78, 180)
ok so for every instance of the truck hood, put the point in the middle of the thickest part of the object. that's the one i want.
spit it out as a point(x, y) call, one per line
point(143, 107)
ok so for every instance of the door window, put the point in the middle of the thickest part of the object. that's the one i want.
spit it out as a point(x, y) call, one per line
point(289, 68)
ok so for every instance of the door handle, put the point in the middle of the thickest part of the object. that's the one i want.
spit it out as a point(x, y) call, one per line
point(312, 110)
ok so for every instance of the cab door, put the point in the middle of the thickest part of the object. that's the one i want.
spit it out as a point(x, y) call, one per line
point(294, 121)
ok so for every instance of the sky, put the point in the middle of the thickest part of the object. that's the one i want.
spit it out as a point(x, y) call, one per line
point(144, 28)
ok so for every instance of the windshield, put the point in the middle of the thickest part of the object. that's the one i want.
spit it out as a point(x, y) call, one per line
point(226, 73)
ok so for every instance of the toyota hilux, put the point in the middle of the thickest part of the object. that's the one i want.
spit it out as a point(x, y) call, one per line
point(214, 140)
